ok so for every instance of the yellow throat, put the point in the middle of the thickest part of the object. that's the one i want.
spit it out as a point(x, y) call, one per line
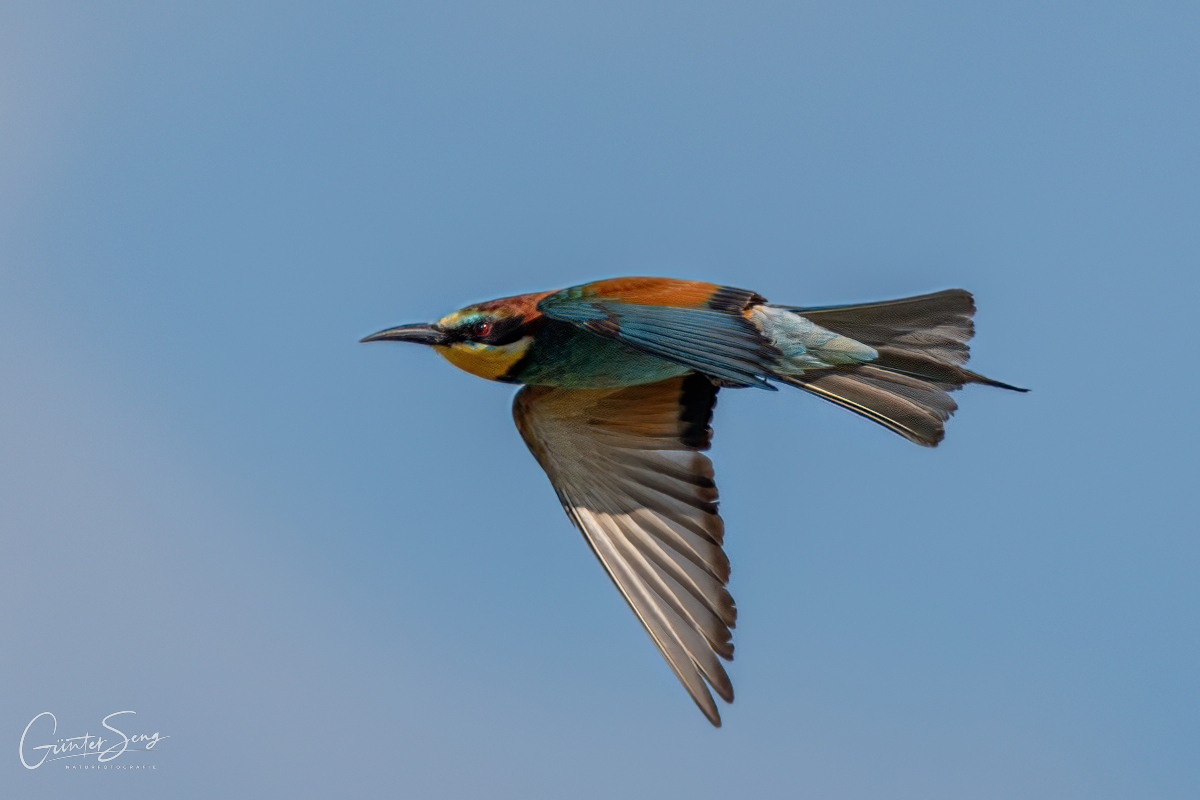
point(484, 360)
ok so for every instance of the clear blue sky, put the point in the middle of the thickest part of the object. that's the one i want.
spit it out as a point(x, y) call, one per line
point(327, 569)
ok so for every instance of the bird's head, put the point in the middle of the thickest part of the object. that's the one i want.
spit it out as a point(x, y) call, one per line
point(486, 339)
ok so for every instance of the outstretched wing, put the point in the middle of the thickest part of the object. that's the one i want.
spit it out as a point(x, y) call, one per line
point(628, 468)
point(698, 325)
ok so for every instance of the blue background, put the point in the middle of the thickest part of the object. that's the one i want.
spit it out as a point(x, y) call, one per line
point(325, 568)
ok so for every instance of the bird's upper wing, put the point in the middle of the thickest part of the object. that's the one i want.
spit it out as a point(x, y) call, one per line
point(628, 468)
point(698, 325)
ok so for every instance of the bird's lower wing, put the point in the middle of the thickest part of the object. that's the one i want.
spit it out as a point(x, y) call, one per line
point(628, 468)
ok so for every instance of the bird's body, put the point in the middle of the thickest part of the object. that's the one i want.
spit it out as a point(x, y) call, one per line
point(620, 379)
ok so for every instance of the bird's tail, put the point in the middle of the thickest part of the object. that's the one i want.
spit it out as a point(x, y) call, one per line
point(922, 347)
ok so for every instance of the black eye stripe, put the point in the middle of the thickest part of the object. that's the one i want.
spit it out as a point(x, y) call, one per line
point(505, 331)
point(497, 332)
point(503, 337)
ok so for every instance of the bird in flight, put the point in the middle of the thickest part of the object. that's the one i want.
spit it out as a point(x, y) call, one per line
point(619, 379)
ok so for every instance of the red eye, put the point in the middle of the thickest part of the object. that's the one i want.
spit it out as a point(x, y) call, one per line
point(482, 329)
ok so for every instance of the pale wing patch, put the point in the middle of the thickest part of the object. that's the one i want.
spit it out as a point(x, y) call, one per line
point(629, 472)
point(804, 345)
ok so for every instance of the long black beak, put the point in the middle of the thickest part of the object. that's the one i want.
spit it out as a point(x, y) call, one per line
point(419, 334)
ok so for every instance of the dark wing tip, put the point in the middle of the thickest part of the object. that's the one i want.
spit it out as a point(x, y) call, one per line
point(697, 399)
point(733, 300)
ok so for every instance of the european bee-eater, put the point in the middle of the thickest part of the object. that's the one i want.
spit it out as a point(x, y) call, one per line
point(620, 379)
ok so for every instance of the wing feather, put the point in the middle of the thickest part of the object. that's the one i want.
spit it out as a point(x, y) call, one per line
point(628, 468)
point(717, 341)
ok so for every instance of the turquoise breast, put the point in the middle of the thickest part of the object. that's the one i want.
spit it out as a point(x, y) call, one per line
point(562, 355)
